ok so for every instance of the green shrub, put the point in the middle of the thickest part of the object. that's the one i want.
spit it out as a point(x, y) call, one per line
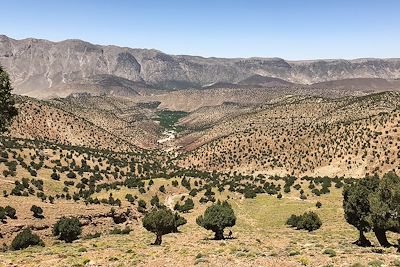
point(308, 221)
point(71, 175)
point(330, 252)
point(118, 231)
point(293, 220)
point(375, 263)
point(162, 189)
point(249, 193)
point(3, 214)
point(67, 229)
point(130, 198)
point(55, 176)
point(294, 253)
point(10, 212)
point(26, 239)
point(141, 206)
point(155, 201)
point(187, 206)
point(92, 236)
point(37, 212)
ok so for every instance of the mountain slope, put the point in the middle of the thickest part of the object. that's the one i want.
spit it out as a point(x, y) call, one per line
point(40, 68)
point(304, 136)
point(39, 120)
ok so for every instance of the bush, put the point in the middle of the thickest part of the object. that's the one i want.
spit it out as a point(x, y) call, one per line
point(55, 176)
point(92, 236)
point(308, 221)
point(37, 212)
point(26, 239)
point(3, 214)
point(318, 204)
point(67, 229)
point(10, 212)
point(118, 231)
point(187, 206)
point(71, 175)
point(293, 220)
point(249, 193)
point(303, 197)
point(330, 252)
point(130, 198)
point(155, 201)
point(141, 206)
point(162, 189)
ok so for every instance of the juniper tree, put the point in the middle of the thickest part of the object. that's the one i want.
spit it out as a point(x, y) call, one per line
point(161, 221)
point(7, 103)
point(357, 208)
point(385, 207)
point(373, 204)
point(217, 217)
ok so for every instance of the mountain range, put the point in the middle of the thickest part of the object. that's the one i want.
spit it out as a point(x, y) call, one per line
point(44, 69)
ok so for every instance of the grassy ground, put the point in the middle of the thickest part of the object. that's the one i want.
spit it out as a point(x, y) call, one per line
point(260, 239)
point(168, 119)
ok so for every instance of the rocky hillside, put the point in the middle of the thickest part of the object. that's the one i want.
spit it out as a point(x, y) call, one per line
point(41, 68)
point(312, 136)
point(40, 120)
point(132, 122)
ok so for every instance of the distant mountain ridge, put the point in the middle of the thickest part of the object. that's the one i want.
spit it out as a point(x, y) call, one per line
point(42, 68)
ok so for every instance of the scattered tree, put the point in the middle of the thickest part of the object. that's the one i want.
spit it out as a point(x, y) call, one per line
point(356, 206)
point(7, 103)
point(385, 208)
point(217, 217)
point(373, 204)
point(161, 221)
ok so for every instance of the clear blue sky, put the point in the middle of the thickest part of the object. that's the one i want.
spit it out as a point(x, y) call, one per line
point(291, 29)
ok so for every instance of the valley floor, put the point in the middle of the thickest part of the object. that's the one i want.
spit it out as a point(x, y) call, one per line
point(261, 238)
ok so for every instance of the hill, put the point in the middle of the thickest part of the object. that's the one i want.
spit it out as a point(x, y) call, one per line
point(311, 136)
point(363, 84)
point(40, 120)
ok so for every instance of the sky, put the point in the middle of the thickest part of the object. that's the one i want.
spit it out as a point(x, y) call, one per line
point(290, 29)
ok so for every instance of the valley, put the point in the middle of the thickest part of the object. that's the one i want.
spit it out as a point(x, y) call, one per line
point(285, 152)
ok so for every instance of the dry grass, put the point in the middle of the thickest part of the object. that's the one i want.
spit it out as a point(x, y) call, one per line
point(261, 239)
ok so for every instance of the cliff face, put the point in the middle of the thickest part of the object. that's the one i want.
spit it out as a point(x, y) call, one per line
point(41, 68)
